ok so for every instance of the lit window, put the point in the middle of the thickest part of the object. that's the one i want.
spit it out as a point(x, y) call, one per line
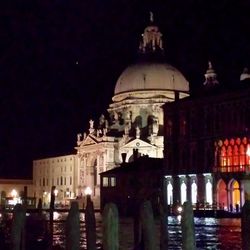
point(183, 192)
point(209, 192)
point(113, 181)
point(194, 192)
point(105, 181)
point(170, 194)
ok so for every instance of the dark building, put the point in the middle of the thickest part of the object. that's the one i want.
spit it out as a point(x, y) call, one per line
point(131, 183)
point(207, 144)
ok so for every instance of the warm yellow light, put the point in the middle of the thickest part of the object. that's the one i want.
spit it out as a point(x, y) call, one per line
point(56, 192)
point(88, 191)
point(248, 151)
point(14, 193)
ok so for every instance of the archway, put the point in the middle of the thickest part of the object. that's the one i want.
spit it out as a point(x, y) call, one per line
point(194, 192)
point(235, 194)
point(170, 194)
point(222, 195)
point(183, 192)
point(209, 192)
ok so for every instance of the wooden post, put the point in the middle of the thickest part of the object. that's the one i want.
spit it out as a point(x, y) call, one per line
point(187, 226)
point(137, 225)
point(90, 225)
point(245, 225)
point(17, 229)
point(245, 216)
point(110, 227)
point(148, 226)
point(51, 213)
point(163, 227)
point(73, 228)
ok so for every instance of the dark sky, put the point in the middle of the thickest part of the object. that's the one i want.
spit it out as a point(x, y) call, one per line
point(59, 62)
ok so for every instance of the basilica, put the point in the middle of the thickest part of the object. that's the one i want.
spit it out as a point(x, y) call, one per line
point(134, 121)
point(135, 115)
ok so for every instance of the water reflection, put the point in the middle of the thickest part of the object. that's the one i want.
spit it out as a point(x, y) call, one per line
point(211, 233)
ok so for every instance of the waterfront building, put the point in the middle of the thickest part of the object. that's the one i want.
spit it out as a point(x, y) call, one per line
point(13, 191)
point(126, 187)
point(207, 144)
point(61, 172)
point(135, 115)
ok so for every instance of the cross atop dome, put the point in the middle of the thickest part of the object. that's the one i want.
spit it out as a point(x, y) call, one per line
point(151, 38)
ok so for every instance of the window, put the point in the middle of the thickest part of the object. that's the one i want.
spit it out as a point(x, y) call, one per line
point(61, 181)
point(105, 181)
point(183, 192)
point(194, 192)
point(170, 194)
point(113, 181)
point(209, 193)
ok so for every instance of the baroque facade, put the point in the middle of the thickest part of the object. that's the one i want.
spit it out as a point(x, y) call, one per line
point(135, 115)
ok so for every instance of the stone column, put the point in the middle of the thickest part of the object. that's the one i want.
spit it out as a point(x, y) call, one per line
point(176, 190)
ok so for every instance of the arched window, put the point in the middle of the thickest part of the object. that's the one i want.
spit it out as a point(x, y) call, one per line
point(183, 192)
point(170, 194)
point(229, 156)
point(209, 192)
point(236, 156)
point(242, 155)
point(223, 159)
point(194, 192)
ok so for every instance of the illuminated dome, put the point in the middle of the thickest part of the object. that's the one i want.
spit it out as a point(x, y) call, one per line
point(151, 76)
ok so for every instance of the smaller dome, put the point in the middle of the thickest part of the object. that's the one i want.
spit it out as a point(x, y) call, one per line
point(151, 76)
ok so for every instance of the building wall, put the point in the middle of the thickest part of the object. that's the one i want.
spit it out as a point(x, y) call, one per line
point(58, 171)
point(12, 191)
point(196, 129)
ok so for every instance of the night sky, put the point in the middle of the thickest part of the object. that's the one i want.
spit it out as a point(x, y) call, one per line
point(59, 62)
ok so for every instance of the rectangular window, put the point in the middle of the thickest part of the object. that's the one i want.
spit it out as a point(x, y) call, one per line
point(113, 181)
point(70, 180)
point(105, 181)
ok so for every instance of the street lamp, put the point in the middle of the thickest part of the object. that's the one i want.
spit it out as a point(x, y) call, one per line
point(56, 192)
point(14, 193)
point(88, 191)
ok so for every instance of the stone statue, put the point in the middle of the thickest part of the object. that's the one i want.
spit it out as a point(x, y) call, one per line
point(79, 136)
point(91, 123)
point(138, 132)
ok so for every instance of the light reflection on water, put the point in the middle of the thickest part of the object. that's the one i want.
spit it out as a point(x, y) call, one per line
point(210, 233)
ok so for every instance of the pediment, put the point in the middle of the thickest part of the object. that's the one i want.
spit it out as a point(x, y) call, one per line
point(89, 140)
point(137, 143)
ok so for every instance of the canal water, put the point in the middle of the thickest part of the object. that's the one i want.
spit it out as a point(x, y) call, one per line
point(210, 233)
